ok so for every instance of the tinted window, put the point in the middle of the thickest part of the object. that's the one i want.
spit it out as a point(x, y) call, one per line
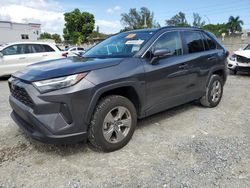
point(17, 49)
point(209, 43)
point(73, 49)
point(247, 47)
point(48, 48)
point(170, 41)
point(38, 48)
point(194, 41)
point(24, 36)
point(58, 47)
point(80, 48)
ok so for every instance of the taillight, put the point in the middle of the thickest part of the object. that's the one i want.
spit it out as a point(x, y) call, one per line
point(65, 54)
point(227, 53)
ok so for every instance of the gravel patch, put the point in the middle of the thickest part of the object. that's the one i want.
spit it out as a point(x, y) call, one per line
point(186, 147)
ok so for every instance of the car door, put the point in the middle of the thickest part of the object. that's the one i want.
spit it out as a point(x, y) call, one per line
point(214, 55)
point(14, 59)
point(167, 79)
point(196, 56)
point(51, 53)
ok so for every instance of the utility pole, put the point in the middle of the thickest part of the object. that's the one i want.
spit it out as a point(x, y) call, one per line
point(145, 22)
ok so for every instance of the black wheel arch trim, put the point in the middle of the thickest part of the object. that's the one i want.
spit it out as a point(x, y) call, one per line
point(215, 69)
point(97, 94)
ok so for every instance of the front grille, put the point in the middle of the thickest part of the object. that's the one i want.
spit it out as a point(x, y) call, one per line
point(242, 59)
point(20, 94)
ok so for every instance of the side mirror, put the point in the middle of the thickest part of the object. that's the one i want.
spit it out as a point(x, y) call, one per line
point(160, 53)
point(1, 55)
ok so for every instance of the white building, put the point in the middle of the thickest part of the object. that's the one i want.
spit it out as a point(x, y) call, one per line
point(16, 32)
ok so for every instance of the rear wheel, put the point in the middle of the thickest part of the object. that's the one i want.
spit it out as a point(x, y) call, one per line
point(214, 92)
point(113, 123)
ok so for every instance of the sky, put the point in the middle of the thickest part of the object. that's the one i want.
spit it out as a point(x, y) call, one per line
point(107, 13)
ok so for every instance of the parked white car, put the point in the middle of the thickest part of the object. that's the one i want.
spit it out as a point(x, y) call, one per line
point(240, 60)
point(16, 56)
point(73, 51)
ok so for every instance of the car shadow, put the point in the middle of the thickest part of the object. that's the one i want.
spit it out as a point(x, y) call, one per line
point(246, 74)
point(81, 147)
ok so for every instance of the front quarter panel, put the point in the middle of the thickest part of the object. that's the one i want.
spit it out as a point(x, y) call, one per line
point(129, 72)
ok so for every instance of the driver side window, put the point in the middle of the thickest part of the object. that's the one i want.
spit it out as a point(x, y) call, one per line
point(170, 41)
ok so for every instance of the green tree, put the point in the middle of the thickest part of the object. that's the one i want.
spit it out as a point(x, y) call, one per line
point(216, 29)
point(198, 20)
point(56, 38)
point(45, 35)
point(138, 19)
point(78, 26)
point(177, 20)
point(235, 24)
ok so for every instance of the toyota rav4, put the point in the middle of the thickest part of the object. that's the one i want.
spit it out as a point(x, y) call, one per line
point(99, 97)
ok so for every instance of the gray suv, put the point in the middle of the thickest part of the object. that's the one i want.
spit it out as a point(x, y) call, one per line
point(99, 97)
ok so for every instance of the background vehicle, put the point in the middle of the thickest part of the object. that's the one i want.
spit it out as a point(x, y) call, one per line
point(240, 60)
point(73, 51)
point(100, 96)
point(16, 56)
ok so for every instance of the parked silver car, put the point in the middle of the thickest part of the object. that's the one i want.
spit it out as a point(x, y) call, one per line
point(16, 56)
point(240, 60)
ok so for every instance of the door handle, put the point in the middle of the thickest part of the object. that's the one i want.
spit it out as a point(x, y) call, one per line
point(22, 58)
point(213, 58)
point(45, 55)
point(183, 66)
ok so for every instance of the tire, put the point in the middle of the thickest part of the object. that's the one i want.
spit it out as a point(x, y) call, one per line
point(232, 72)
point(102, 124)
point(209, 99)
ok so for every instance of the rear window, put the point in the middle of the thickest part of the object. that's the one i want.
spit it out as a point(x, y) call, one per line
point(194, 41)
point(209, 43)
point(58, 47)
point(38, 48)
point(48, 48)
point(247, 47)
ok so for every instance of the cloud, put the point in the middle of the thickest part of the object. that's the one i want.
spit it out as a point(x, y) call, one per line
point(110, 10)
point(114, 9)
point(49, 13)
point(108, 26)
point(117, 8)
point(37, 4)
point(26, 11)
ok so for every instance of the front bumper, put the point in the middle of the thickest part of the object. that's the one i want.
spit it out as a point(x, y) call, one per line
point(237, 66)
point(56, 117)
point(36, 132)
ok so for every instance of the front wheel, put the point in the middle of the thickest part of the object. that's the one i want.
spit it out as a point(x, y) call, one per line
point(113, 123)
point(214, 92)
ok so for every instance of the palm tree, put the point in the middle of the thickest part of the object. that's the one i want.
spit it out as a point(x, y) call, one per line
point(234, 24)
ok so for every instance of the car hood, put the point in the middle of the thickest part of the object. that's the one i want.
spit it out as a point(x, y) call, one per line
point(244, 53)
point(62, 67)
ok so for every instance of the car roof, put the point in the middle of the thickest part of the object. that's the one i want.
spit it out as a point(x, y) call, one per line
point(28, 42)
point(164, 28)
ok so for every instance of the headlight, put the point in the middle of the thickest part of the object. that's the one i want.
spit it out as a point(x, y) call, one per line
point(232, 57)
point(58, 83)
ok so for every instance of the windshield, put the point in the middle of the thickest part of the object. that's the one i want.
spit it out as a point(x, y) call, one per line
point(121, 45)
point(2, 46)
point(247, 47)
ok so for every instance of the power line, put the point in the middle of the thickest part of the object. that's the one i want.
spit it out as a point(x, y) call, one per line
point(207, 7)
point(222, 11)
